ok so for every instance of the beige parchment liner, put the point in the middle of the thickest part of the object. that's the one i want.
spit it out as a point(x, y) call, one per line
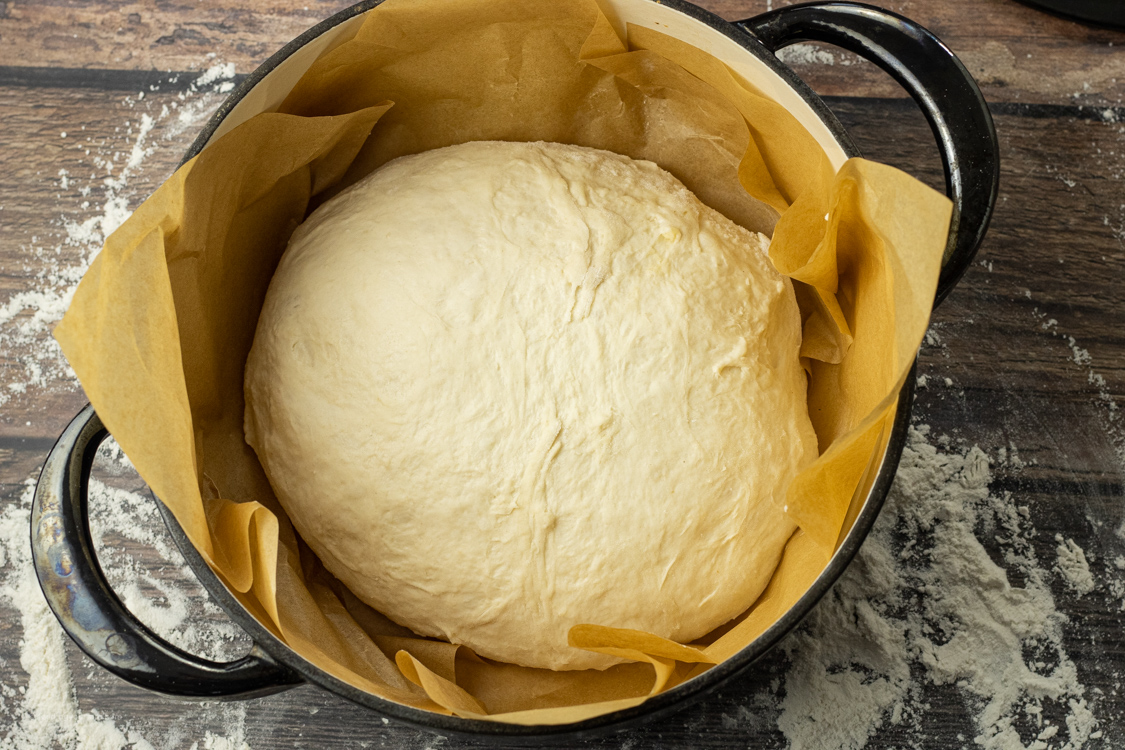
point(159, 328)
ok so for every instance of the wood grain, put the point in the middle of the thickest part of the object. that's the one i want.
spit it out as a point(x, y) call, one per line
point(50, 186)
point(1057, 193)
point(1028, 353)
point(1017, 54)
point(148, 35)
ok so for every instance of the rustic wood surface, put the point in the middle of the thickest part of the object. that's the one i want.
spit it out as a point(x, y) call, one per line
point(1027, 354)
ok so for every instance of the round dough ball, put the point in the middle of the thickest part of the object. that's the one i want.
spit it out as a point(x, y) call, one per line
point(502, 389)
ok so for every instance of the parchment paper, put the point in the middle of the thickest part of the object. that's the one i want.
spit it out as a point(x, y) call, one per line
point(159, 328)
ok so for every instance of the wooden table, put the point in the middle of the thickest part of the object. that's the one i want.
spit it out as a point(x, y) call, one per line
point(1028, 353)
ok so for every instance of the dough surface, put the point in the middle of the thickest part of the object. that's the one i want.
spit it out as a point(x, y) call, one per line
point(505, 388)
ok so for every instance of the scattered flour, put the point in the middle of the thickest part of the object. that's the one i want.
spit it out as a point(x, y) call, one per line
point(27, 317)
point(151, 589)
point(38, 705)
point(1072, 562)
point(1073, 566)
point(1110, 412)
point(925, 604)
point(812, 54)
point(219, 72)
point(44, 712)
point(806, 54)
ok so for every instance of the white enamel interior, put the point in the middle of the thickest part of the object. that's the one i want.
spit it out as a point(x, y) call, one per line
point(272, 90)
point(669, 21)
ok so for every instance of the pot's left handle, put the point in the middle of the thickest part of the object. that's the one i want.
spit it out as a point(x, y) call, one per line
point(936, 79)
point(91, 613)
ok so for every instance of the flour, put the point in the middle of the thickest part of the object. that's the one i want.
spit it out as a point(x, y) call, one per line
point(947, 590)
point(38, 705)
point(806, 54)
point(44, 712)
point(1072, 561)
point(219, 72)
point(1073, 567)
point(121, 520)
point(1109, 410)
point(27, 317)
point(925, 604)
point(811, 54)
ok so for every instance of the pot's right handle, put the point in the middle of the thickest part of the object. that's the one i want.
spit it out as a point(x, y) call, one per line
point(91, 613)
point(940, 84)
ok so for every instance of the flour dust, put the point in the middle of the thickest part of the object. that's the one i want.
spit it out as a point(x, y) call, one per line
point(929, 602)
point(924, 604)
point(1072, 563)
point(38, 705)
point(34, 361)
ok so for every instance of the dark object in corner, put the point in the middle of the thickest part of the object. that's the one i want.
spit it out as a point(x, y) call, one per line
point(1107, 13)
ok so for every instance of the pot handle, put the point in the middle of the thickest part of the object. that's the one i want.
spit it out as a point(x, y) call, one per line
point(938, 82)
point(91, 613)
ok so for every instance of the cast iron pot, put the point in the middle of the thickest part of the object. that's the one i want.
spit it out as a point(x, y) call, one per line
point(94, 617)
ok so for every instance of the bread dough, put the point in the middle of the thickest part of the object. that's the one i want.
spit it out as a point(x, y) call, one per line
point(505, 388)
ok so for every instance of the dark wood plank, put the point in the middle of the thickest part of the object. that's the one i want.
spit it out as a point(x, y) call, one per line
point(151, 35)
point(53, 193)
point(1018, 54)
point(1012, 382)
point(1057, 193)
point(1015, 379)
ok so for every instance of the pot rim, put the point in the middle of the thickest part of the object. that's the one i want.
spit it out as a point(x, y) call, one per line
point(656, 706)
point(747, 41)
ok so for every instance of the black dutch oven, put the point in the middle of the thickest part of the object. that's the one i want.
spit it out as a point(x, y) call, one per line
point(94, 617)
